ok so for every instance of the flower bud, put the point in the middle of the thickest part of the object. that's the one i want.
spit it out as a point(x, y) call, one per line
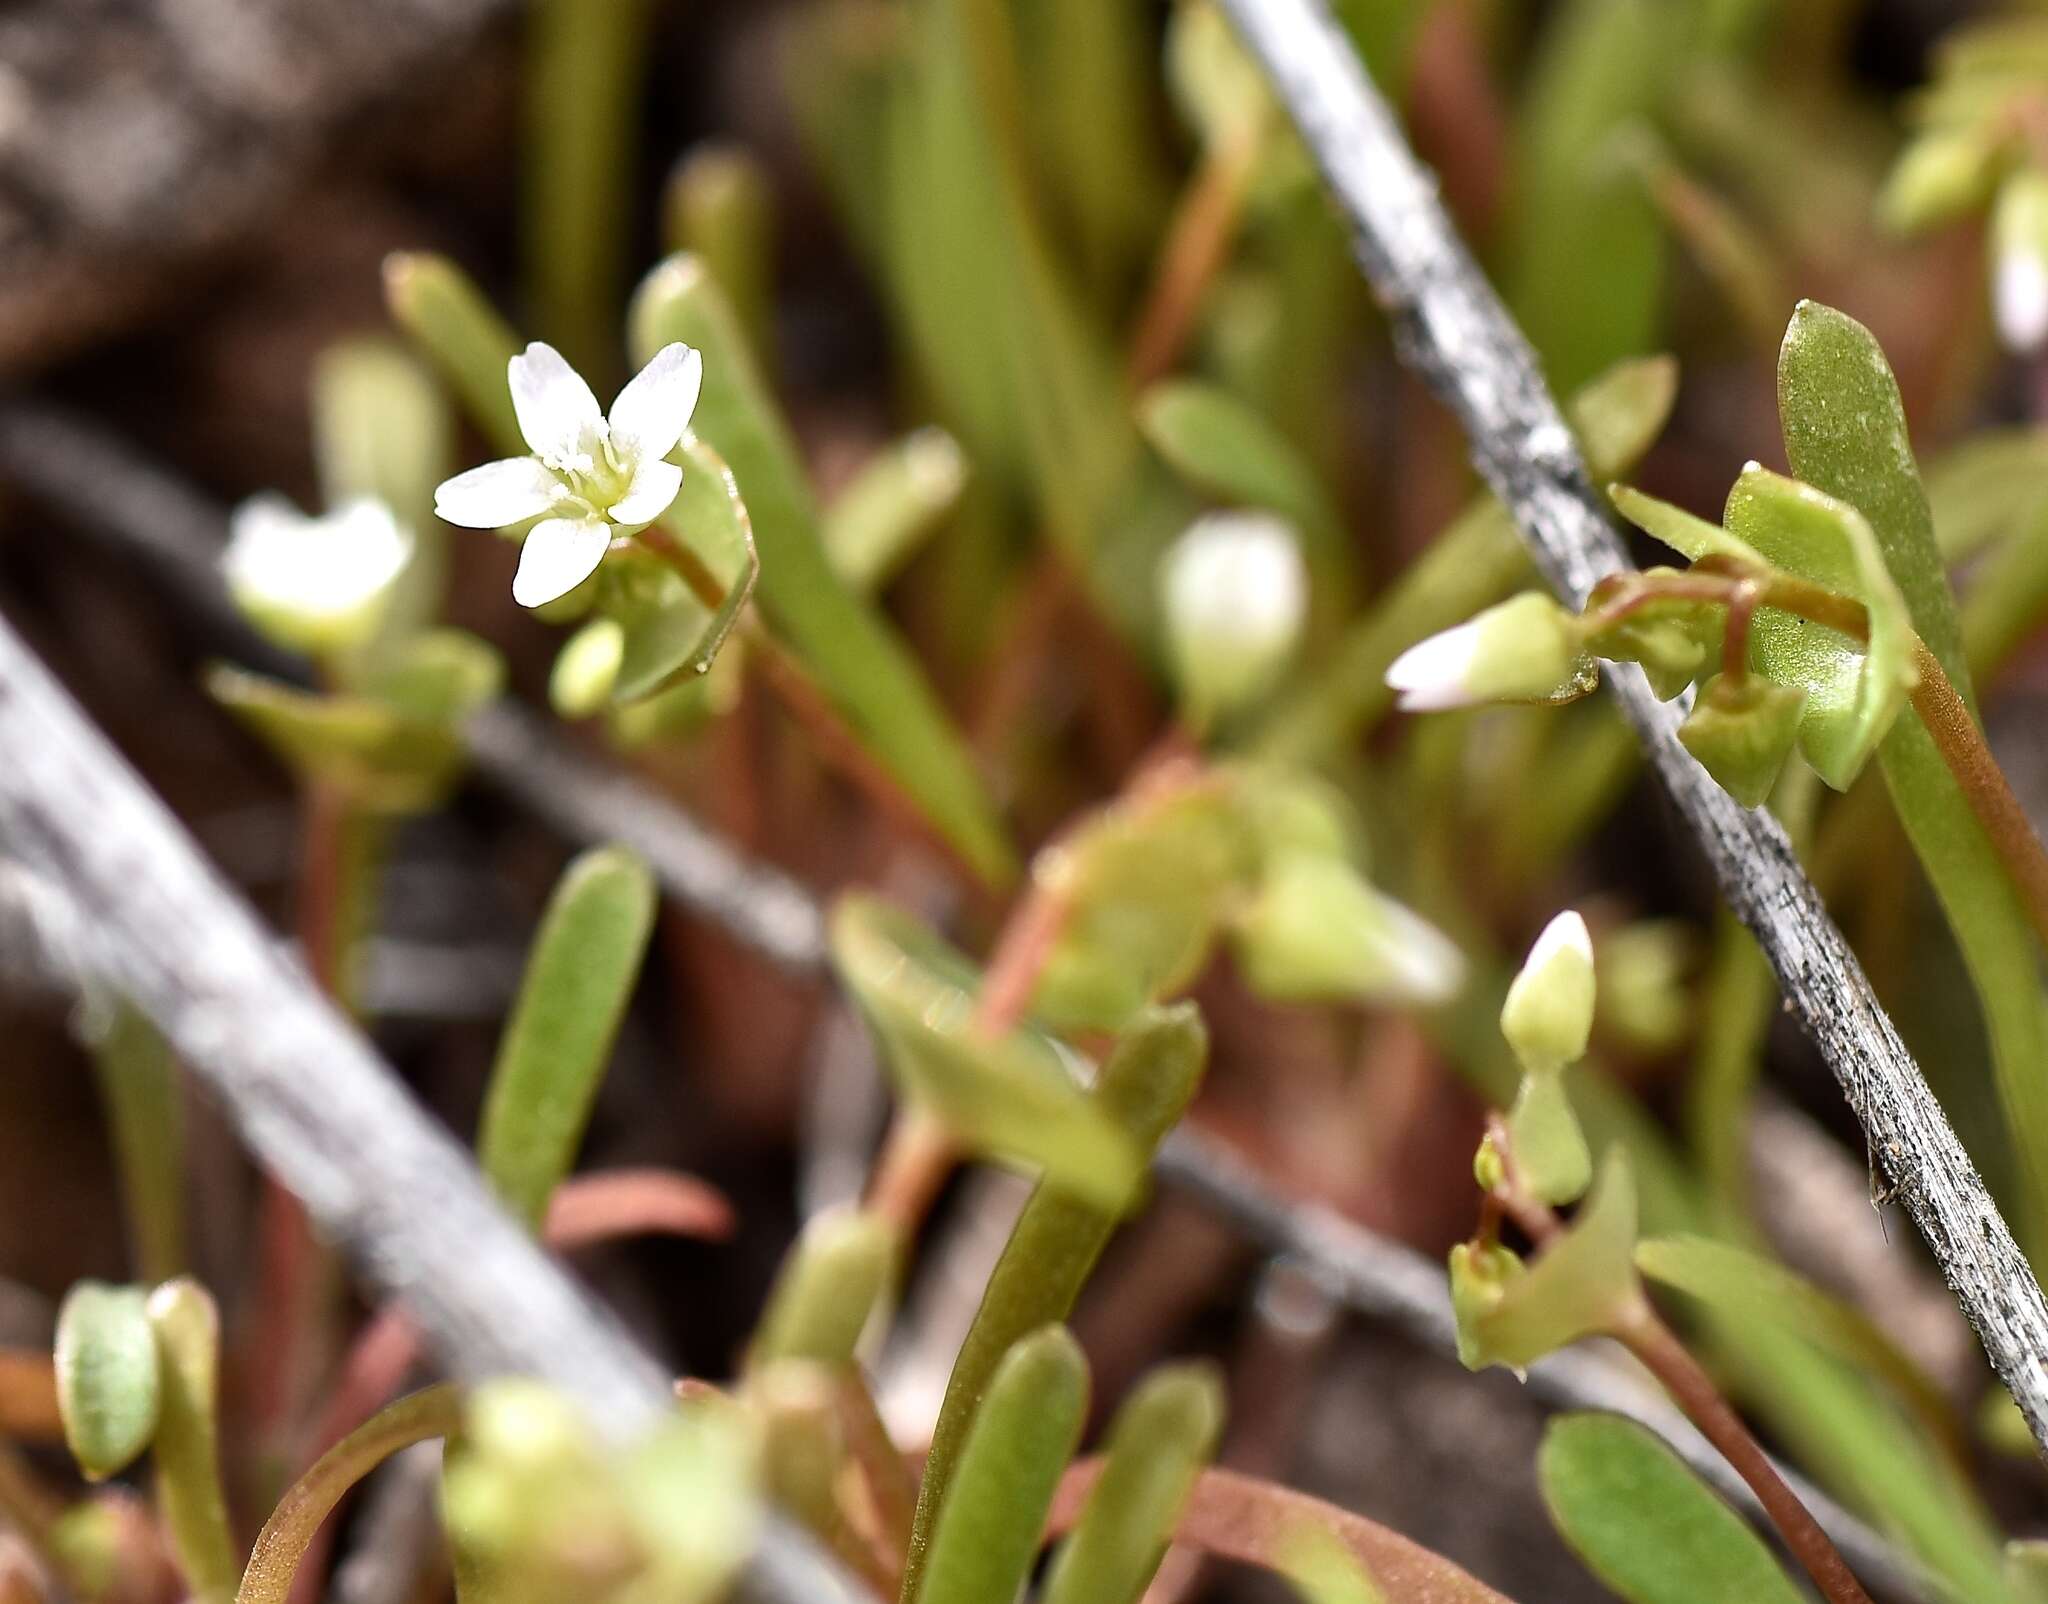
point(1314, 929)
point(1549, 1009)
point(1481, 1273)
point(1743, 733)
point(1234, 593)
point(1527, 649)
point(2019, 261)
point(587, 668)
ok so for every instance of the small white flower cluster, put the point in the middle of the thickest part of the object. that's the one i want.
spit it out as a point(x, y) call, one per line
point(1234, 593)
point(592, 478)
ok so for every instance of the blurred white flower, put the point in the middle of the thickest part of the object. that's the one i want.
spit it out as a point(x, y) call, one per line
point(1525, 649)
point(1235, 591)
point(593, 477)
point(314, 584)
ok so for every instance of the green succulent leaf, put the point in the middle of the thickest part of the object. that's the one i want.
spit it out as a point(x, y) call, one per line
point(1158, 1444)
point(187, 1444)
point(899, 498)
point(443, 312)
point(109, 1394)
point(579, 978)
point(828, 1287)
point(1645, 1524)
point(1014, 1097)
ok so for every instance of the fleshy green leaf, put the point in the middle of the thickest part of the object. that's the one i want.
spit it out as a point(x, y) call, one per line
point(1853, 692)
point(827, 1289)
point(1743, 1287)
point(1579, 1286)
point(1845, 432)
point(579, 978)
point(1013, 1097)
point(1161, 1439)
point(720, 205)
point(108, 1390)
point(855, 658)
point(672, 636)
point(187, 1445)
point(897, 499)
point(1144, 1086)
point(1645, 1524)
point(448, 317)
point(138, 1081)
point(987, 1531)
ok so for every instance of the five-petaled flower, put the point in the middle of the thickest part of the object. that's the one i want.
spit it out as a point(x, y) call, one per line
point(314, 584)
point(591, 478)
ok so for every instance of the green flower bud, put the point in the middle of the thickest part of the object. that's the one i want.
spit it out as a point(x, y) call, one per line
point(1527, 649)
point(1481, 1273)
point(1549, 1009)
point(1742, 734)
point(587, 668)
point(1315, 930)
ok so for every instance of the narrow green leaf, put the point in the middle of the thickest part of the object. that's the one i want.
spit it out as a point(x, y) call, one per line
point(585, 76)
point(579, 978)
point(138, 1082)
point(897, 499)
point(851, 652)
point(1989, 487)
point(1014, 1097)
point(720, 205)
point(381, 428)
point(187, 1447)
point(1845, 432)
point(988, 1528)
point(1322, 1569)
point(1161, 1438)
point(1144, 1087)
point(1476, 561)
point(447, 317)
point(435, 1412)
point(827, 1290)
point(1742, 1286)
point(1226, 450)
point(1645, 1524)
point(108, 1391)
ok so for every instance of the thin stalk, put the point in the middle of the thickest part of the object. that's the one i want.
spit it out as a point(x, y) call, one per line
point(1204, 223)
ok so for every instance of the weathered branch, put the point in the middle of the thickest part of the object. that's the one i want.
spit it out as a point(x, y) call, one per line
point(387, 1186)
point(1450, 326)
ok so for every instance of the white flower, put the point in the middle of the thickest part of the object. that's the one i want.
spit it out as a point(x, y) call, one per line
point(2019, 257)
point(1525, 649)
point(314, 584)
point(1234, 591)
point(596, 477)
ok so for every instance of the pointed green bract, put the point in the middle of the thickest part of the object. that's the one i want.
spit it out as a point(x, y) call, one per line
point(580, 975)
point(108, 1390)
point(1645, 1524)
point(1550, 1149)
point(1026, 1429)
point(1161, 1439)
point(1143, 1088)
point(859, 663)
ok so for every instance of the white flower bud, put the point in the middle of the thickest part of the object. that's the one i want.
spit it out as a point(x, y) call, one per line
point(1548, 1015)
point(2019, 262)
point(1234, 591)
point(1527, 649)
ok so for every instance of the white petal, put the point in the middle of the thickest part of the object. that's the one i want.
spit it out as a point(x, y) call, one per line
point(654, 409)
point(498, 493)
point(557, 557)
point(648, 496)
point(1565, 933)
point(259, 539)
point(1431, 675)
point(557, 413)
point(2020, 299)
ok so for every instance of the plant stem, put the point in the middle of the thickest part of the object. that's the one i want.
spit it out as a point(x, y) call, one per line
point(1646, 1336)
point(1204, 223)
